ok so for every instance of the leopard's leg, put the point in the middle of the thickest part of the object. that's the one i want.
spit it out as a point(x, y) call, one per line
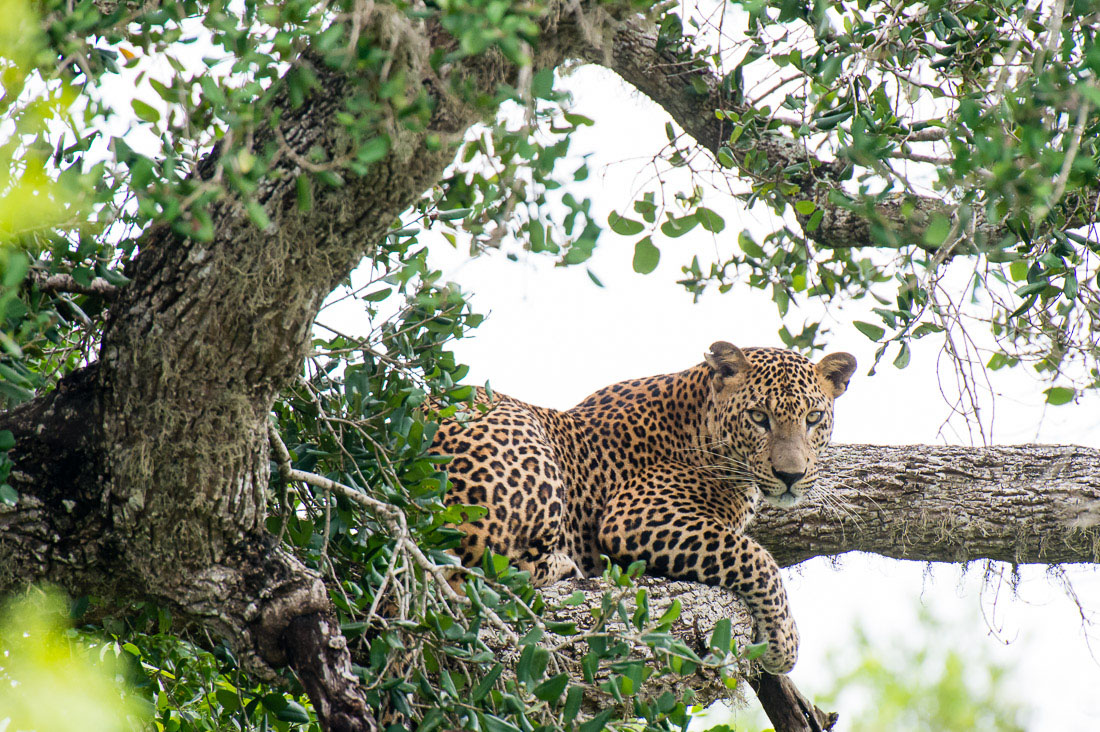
point(677, 538)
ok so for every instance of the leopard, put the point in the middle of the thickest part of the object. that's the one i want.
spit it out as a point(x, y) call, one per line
point(667, 469)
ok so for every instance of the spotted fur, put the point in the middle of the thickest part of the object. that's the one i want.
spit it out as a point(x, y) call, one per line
point(667, 469)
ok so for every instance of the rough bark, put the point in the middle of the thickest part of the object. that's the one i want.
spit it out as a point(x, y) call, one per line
point(1017, 504)
point(787, 709)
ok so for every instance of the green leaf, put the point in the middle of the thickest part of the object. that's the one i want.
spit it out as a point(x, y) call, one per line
point(496, 724)
point(542, 84)
point(292, 712)
point(903, 358)
point(8, 495)
point(1018, 271)
point(815, 220)
point(925, 328)
point(725, 157)
point(1069, 285)
point(304, 190)
point(755, 650)
point(1058, 395)
point(710, 220)
point(937, 231)
point(676, 227)
point(16, 394)
point(454, 213)
point(624, 226)
point(596, 723)
point(532, 637)
point(378, 295)
point(561, 627)
point(330, 178)
point(433, 719)
point(228, 699)
point(552, 689)
point(671, 614)
point(646, 256)
point(373, 149)
point(145, 111)
point(7, 440)
point(257, 214)
point(486, 684)
point(870, 330)
point(1033, 288)
point(805, 207)
point(572, 703)
point(749, 246)
point(722, 636)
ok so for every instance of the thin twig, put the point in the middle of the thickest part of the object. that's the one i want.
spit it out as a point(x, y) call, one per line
point(393, 517)
point(59, 283)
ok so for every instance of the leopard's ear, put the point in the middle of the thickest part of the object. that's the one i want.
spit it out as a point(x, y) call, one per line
point(835, 370)
point(727, 363)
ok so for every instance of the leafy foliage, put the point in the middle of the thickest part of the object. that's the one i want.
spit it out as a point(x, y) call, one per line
point(41, 657)
point(936, 157)
point(998, 108)
point(934, 677)
point(942, 682)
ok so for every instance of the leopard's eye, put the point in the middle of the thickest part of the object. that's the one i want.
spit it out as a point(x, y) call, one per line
point(814, 417)
point(759, 417)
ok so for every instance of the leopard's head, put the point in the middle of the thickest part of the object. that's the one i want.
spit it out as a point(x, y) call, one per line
point(771, 414)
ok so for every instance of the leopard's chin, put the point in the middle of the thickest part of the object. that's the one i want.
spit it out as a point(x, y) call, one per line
point(786, 499)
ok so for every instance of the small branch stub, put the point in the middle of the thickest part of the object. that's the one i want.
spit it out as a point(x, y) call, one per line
point(59, 283)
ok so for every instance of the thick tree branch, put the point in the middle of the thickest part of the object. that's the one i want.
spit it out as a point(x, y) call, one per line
point(318, 651)
point(786, 707)
point(1018, 504)
point(661, 74)
point(145, 476)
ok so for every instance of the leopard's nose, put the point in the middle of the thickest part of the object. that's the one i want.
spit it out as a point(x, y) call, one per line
point(789, 479)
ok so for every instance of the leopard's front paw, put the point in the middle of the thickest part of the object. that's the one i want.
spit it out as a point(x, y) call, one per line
point(782, 651)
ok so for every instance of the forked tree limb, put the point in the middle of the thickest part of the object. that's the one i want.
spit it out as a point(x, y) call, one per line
point(146, 475)
point(786, 707)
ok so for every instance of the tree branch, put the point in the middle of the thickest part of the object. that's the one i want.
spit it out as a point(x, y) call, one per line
point(316, 649)
point(1018, 504)
point(635, 54)
point(787, 708)
point(67, 283)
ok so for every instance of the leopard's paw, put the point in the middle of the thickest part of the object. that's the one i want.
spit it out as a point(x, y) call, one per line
point(782, 650)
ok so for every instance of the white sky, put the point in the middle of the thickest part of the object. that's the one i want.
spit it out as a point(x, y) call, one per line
point(553, 337)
